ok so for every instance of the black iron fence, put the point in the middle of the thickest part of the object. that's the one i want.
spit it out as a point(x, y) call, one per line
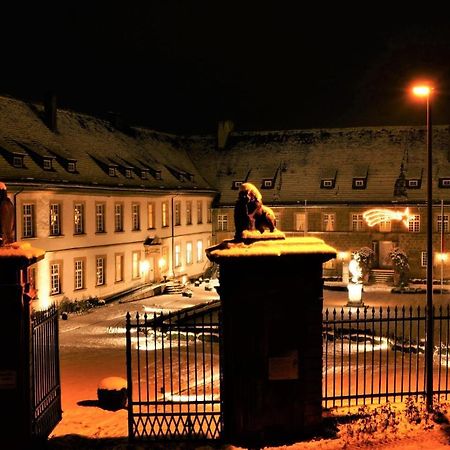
point(371, 355)
point(174, 376)
point(45, 395)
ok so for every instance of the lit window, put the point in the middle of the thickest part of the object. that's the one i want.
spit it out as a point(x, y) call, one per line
point(55, 219)
point(359, 183)
point(79, 274)
point(199, 250)
point(100, 270)
point(222, 222)
point(439, 223)
point(177, 213)
point(423, 259)
point(48, 164)
point(71, 167)
point(177, 255)
point(414, 184)
point(414, 223)
point(164, 221)
point(112, 171)
point(267, 184)
point(135, 259)
point(444, 182)
point(100, 218)
point(150, 215)
point(164, 258)
point(209, 214)
point(189, 256)
point(300, 221)
point(136, 216)
point(28, 220)
point(144, 174)
point(118, 217)
point(188, 213)
point(128, 173)
point(327, 184)
point(199, 211)
point(118, 267)
point(328, 222)
point(357, 222)
point(55, 278)
point(78, 218)
point(236, 184)
point(385, 225)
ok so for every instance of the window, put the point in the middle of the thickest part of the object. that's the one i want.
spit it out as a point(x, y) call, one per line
point(189, 213)
point(55, 278)
point(327, 184)
point(330, 264)
point(439, 223)
point(177, 213)
point(177, 255)
point(55, 219)
point(359, 183)
point(144, 174)
point(100, 270)
point(267, 184)
point(18, 161)
point(444, 182)
point(28, 220)
point(112, 171)
point(414, 184)
point(164, 258)
point(150, 215)
point(357, 222)
point(128, 173)
point(78, 218)
point(48, 164)
point(209, 212)
point(414, 224)
point(199, 211)
point(118, 272)
point(157, 175)
point(71, 166)
point(118, 217)
point(79, 274)
point(222, 222)
point(136, 216)
point(300, 221)
point(328, 222)
point(385, 225)
point(199, 250)
point(164, 218)
point(236, 185)
point(189, 254)
point(423, 259)
point(135, 260)
point(100, 218)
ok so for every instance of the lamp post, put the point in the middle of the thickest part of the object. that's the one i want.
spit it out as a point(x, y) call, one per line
point(424, 91)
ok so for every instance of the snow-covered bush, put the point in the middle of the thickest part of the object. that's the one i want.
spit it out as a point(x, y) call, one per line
point(400, 262)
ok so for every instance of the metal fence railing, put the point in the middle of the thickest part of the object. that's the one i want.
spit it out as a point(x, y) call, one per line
point(372, 355)
point(174, 376)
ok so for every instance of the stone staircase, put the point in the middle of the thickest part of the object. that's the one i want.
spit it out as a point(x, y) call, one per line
point(382, 276)
point(173, 287)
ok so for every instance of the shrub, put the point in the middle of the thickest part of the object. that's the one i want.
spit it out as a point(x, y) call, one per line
point(401, 265)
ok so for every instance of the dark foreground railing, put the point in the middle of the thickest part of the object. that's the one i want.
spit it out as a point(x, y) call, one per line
point(371, 355)
point(174, 376)
point(45, 377)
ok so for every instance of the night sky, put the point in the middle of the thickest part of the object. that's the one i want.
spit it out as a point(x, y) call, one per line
point(180, 66)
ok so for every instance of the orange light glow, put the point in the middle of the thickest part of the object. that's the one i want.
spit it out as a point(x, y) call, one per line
point(376, 216)
point(421, 91)
point(441, 257)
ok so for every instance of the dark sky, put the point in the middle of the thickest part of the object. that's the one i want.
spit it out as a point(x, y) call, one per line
point(181, 66)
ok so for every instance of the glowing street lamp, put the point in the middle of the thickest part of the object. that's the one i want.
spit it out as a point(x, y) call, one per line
point(424, 91)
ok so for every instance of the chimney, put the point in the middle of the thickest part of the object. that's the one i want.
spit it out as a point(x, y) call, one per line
point(225, 127)
point(50, 112)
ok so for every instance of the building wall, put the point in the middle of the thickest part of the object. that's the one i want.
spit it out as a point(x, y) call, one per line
point(69, 247)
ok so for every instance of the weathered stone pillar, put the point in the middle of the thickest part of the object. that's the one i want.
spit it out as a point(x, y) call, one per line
point(271, 293)
point(15, 400)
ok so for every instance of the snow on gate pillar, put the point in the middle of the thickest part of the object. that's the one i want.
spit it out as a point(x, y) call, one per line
point(14, 335)
point(271, 293)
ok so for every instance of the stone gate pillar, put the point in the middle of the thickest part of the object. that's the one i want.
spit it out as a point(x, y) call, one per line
point(15, 425)
point(271, 293)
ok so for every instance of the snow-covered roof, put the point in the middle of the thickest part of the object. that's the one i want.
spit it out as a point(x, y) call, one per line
point(304, 158)
point(93, 144)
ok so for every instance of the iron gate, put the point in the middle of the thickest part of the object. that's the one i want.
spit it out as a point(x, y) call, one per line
point(174, 376)
point(44, 367)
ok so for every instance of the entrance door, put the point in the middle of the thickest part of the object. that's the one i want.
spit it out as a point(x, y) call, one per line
point(151, 269)
point(384, 248)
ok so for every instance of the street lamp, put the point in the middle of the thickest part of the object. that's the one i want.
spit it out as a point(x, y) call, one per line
point(424, 91)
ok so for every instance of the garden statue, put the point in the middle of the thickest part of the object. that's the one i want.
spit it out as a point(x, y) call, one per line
point(6, 217)
point(355, 269)
point(355, 284)
point(250, 214)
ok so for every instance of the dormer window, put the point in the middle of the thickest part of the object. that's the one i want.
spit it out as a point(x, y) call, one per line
point(444, 183)
point(158, 174)
point(327, 184)
point(267, 184)
point(414, 184)
point(191, 177)
point(128, 173)
point(112, 171)
point(236, 184)
point(47, 164)
point(359, 183)
point(144, 174)
point(18, 161)
point(71, 166)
